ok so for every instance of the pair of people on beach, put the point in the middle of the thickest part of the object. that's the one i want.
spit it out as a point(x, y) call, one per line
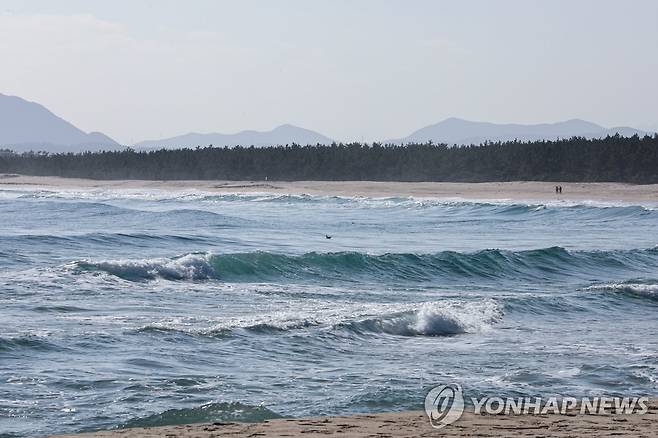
point(558, 189)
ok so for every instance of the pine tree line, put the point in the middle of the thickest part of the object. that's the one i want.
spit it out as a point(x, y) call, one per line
point(614, 158)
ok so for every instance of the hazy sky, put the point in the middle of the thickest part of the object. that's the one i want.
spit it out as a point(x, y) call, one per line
point(352, 70)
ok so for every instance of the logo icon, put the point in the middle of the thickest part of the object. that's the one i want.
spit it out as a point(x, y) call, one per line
point(444, 405)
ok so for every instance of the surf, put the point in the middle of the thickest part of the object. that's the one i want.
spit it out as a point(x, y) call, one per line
point(540, 264)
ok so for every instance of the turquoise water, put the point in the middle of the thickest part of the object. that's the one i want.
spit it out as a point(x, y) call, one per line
point(134, 307)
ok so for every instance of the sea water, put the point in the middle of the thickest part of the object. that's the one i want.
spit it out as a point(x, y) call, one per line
point(142, 307)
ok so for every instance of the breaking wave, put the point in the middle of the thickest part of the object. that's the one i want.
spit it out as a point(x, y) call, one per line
point(183, 195)
point(540, 264)
point(434, 319)
point(187, 267)
point(441, 318)
point(645, 290)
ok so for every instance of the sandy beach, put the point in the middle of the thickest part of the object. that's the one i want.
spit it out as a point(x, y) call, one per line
point(413, 424)
point(518, 190)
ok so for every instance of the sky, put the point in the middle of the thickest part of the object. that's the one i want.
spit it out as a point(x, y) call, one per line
point(350, 69)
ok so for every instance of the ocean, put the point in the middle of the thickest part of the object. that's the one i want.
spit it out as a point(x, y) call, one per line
point(141, 307)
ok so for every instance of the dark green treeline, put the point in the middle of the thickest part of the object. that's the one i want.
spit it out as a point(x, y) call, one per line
point(632, 159)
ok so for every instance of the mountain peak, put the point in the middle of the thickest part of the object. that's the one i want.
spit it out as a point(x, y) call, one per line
point(26, 125)
point(280, 135)
point(458, 119)
point(286, 126)
point(463, 132)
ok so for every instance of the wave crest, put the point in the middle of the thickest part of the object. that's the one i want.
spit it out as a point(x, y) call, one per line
point(440, 318)
point(195, 266)
point(540, 264)
point(225, 411)
point(433, 319)
point(25, 342)
point(647, 290)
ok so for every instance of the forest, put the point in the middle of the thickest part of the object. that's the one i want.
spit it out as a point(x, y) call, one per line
point(614, 158)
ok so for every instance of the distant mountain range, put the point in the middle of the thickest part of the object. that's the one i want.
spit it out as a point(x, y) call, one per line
point(28, 126)
point(450, 131)
point(281, 135)
point(464, 132)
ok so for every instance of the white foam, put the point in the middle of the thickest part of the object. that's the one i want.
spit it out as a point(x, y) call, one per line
point(190, 194)
point(649, 290)
point(437, 318)
point(473, 317)
point(187, 267)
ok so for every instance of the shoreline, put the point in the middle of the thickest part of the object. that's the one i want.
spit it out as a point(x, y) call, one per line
point(409, 424)
point(516, 191)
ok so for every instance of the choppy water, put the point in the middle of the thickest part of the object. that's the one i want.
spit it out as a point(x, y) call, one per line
point(126, 308)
